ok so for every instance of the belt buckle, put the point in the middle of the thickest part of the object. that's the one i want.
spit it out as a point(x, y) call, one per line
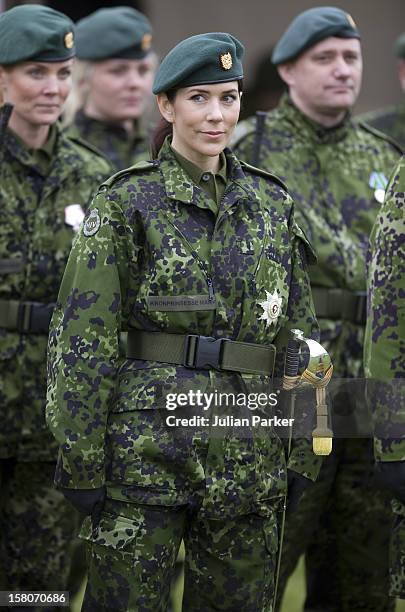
point(24, 313)
point(202, 352)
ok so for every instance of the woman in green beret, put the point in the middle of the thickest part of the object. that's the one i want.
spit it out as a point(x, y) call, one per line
point(198, 258)
point(46, 181)
point(113, 84)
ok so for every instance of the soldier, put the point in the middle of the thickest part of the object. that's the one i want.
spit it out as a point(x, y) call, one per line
point(113, 83)
point(336, 172)
point(184, 253)
point(384, 359)
point(45, 176)
point(391, 120)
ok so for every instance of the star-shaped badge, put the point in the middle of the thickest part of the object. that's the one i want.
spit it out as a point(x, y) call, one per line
point(272, 308)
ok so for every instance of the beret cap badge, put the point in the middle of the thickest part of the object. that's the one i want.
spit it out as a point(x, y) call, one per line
point(146, 42)
point(225, 60)
point(351, 20)
point(69, 40)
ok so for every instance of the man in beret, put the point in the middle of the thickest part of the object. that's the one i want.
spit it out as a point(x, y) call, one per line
point(336, 172)
point(391, 120)
point(113, 84)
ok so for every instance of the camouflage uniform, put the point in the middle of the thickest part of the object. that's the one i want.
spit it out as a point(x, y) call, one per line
point(384, 349)
point(151, 232)
point(390, 121)
point(112, 140)
point(328, 173)
point(36, 188)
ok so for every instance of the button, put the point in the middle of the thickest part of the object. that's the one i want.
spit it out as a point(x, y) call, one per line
point(206, 177)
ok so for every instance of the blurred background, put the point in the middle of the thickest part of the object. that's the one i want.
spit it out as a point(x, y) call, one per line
point(259, 24)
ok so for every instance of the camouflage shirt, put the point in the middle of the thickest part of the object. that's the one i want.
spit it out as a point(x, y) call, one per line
point(384, 346)
point(112, 140)
point(329, 173)
point(390, 121)
point(36, 231)
point(152, 233)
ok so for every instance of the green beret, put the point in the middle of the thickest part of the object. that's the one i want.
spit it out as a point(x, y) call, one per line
point(35, 32)
point(117, 32)
point(206, 58)
point(309, 28)
point(399, 46)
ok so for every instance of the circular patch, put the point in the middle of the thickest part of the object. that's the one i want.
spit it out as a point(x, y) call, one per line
point(92, 223)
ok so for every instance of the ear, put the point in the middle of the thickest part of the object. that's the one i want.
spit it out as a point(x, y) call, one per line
point(2, 79)
point(286, 72)
point(165, 107)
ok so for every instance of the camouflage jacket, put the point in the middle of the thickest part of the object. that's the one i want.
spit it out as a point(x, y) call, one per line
point(112, 140)
point(329, 175)
point(384, 346)
point(390, 121)
point(151, 232)
point(35, 240)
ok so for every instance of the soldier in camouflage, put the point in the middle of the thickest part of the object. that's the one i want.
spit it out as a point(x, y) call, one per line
point(336, 172)
point(45, 179)
point(384, 359)
point(191, 247)
point(113, 84)
point(391, 120)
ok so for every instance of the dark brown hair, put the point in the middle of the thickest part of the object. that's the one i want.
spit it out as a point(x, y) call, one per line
point(164, 128)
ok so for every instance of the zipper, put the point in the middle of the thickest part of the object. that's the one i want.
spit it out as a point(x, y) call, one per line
point(201, 264)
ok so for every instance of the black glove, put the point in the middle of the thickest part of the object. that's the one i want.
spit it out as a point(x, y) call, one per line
point(391, 476)
point(296, 484)
point(87, 501)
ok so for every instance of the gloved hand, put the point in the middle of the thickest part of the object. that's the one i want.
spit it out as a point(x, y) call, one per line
point(391, 476)
point(296, 484)
point(87, 501)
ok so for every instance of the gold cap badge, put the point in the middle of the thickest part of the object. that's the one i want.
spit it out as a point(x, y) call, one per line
point(69, 40)
point(351, 20)
point(146, 42)
point(225, 60)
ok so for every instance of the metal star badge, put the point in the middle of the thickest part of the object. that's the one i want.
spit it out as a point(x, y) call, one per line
point(271, 307)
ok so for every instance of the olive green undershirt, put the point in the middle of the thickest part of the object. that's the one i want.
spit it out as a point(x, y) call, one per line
point(214, 184)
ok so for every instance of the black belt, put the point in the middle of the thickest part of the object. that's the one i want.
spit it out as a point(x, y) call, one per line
point(26, 317)
point(201, 352)
point(340, 304)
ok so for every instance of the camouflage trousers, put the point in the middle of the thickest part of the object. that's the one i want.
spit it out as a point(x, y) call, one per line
point(343, 526)
point(36, 528)
point(397, 551)
point(229, 564)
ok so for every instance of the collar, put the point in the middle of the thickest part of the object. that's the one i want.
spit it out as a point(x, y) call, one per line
point(310, 129)
point(179, 186)
point(195, 172)
point(89, 124)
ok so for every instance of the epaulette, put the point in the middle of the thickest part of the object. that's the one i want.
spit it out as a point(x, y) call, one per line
point(244, 128)
point(141, 165)
point(86, 145)
point(372, 130)
point(264, 173)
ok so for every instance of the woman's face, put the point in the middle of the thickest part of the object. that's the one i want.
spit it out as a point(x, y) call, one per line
point(203, 118)
point(37, 90)
point(119, 89)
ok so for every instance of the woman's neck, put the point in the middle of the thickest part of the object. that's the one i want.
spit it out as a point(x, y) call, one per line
point(34, 136)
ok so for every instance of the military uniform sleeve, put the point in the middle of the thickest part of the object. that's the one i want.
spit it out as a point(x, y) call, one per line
point(301, 315)
point(83, 343)
point(384, 347)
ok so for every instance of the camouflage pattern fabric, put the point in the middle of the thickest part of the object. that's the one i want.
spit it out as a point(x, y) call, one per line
point(36, 526)
point(329, 175)
point(35, 240)
point(112, 140)
point(230, 568)
point(390, 121)
point(151, 232)
point(384, 349)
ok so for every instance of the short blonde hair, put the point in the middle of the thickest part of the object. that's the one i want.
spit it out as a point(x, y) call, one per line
point(78, 95)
